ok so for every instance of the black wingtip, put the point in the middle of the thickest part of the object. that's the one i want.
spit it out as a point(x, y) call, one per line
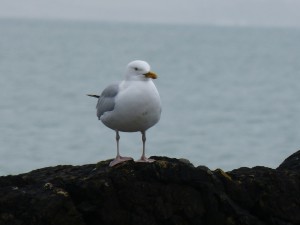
point(95, 96)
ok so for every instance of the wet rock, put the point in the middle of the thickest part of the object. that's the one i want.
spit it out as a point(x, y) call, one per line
point(168, 191)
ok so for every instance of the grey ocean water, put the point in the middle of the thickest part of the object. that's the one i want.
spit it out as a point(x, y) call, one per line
point(231, 95)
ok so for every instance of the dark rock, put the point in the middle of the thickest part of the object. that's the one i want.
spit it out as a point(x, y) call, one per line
point(168, 191)
point(291, 163)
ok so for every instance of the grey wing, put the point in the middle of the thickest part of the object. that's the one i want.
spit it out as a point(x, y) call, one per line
point(106, 101)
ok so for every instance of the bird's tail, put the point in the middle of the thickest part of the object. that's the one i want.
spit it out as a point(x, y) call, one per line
point(95, 96)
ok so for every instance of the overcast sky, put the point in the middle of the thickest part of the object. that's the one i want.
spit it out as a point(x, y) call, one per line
point(224, 12)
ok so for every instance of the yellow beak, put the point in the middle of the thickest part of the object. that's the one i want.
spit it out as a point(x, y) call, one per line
point(151, 75)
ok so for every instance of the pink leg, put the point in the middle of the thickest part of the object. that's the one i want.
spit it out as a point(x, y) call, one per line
point(143, 157)
point(118, 158)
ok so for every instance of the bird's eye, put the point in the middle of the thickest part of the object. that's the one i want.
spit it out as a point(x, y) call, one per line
point(135, 68)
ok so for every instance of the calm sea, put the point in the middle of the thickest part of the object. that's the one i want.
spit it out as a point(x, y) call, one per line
point(231, 95)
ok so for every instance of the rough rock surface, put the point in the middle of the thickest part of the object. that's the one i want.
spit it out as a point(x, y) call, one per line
point(168, 191)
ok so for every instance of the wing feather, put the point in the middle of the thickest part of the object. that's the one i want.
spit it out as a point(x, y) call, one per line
point(106, 101)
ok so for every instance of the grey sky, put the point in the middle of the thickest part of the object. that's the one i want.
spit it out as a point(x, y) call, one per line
point(226, 12)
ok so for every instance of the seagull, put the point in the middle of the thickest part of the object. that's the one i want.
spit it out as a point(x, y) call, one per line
point(131, 105)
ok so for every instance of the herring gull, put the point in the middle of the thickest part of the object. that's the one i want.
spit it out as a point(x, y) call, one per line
point(131, 105)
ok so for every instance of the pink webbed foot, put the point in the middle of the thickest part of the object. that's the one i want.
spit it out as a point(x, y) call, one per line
point(119, 159)
point(145, 159)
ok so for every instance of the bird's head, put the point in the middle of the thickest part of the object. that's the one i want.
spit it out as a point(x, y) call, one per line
point(139, 70)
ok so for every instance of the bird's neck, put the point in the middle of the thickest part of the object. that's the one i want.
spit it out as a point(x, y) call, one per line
point(136, 78)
